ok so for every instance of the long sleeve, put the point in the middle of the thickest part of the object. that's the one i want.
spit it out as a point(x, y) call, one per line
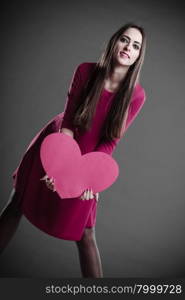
point(133, 110)
point(73, 95)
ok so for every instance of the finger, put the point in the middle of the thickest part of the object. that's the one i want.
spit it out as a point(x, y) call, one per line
point(82, 196)
point(85, 195)
point(88, 194)
point(97, 196)
point(44, 177)
point(91, 194)
point(53, 182)
point(52, 185)
point(49, 185)
point(47, 179)
point(50, 180)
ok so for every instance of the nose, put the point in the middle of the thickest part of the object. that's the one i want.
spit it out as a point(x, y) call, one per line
point(127, 46)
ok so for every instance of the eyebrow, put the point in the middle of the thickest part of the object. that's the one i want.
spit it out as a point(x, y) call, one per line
point(130, 39)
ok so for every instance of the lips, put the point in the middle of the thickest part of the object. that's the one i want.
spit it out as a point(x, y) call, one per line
point(124, 53)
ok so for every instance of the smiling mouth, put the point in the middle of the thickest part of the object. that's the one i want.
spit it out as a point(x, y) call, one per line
point(123, 54)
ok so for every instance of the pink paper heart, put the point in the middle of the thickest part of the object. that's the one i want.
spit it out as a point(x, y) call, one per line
point(73, 172)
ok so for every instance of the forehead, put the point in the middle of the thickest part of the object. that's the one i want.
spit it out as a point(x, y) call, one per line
point(134, 34)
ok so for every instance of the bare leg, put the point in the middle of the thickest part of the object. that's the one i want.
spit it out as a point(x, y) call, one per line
point(90, 261)
point(9, 220)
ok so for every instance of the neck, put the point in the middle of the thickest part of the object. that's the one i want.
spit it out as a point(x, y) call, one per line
point(118, 73)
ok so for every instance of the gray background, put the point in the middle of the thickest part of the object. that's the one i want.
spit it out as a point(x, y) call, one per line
point(140, 222)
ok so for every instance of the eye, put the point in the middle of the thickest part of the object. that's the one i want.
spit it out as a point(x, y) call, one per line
point(123, 39)
point(136, 46)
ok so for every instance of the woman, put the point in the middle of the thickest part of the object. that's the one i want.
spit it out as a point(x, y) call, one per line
point(103, 100)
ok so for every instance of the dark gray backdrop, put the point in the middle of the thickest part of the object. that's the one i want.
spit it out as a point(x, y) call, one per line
point(140, 221)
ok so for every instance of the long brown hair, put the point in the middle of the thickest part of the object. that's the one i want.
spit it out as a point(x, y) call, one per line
point(91, 93)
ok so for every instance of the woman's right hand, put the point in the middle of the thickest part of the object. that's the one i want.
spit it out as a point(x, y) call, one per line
point(49, 182)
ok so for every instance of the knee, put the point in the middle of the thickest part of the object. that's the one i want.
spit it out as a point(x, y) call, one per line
point(14, 202)
point(88, 237)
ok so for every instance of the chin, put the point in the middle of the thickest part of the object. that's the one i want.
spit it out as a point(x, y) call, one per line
point(122, 63)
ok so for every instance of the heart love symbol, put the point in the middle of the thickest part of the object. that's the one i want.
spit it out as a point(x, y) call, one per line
point(73, 172)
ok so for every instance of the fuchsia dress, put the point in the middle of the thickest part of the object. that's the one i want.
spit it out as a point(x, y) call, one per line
point(66, 218)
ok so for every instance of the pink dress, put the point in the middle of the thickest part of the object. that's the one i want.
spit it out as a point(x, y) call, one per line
point(66, 218)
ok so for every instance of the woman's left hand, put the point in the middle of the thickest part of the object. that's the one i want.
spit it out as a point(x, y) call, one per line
point(88, 194)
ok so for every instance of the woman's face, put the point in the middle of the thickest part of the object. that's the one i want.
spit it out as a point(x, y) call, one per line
point(128, 46)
